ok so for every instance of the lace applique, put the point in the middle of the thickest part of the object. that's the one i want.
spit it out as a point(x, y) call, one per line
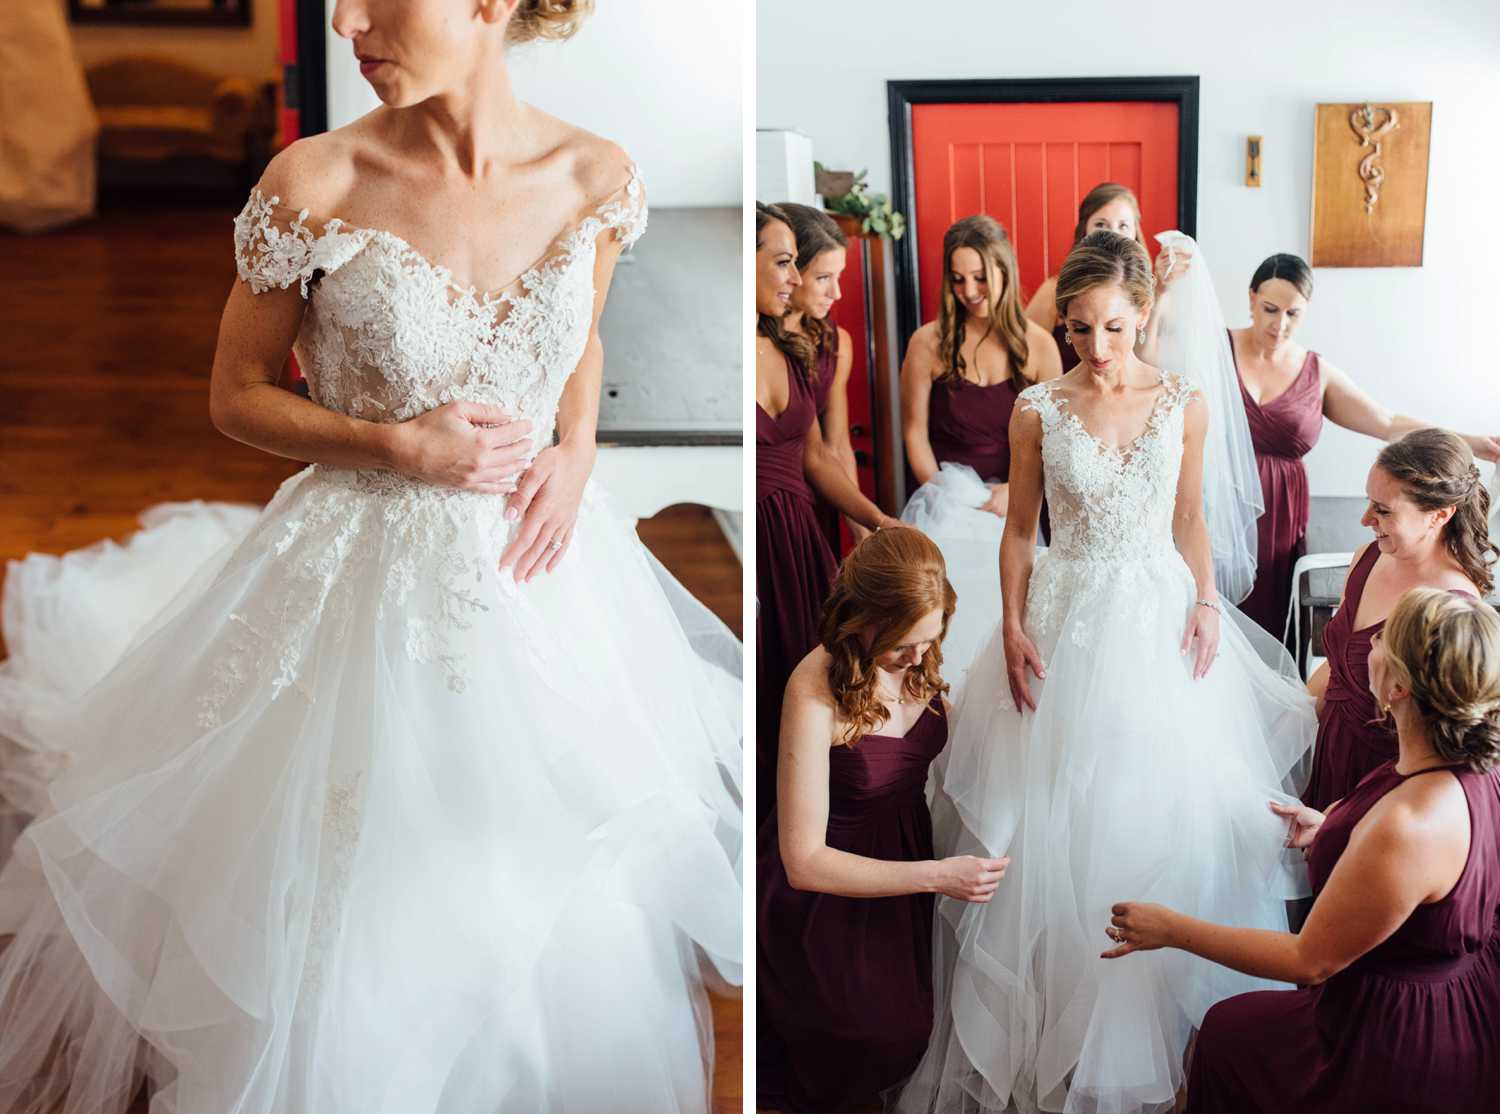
point(390, 336)
point(1111, 514)
point(340, 836)
point(271, 252)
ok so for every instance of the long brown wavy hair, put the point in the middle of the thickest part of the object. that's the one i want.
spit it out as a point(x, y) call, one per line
point(1444, 648)
point(797, 347)
point(1100, 196)
point(885, 586)
point(986, 236)
point(1436, 469)
point(816, 233)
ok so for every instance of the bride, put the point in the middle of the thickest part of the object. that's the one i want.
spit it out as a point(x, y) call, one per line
point(372, 816)
point(1125, 735)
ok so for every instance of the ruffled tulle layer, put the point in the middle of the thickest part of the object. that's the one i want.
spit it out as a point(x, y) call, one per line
point(1131, 781)
point(359, 825)
point(947, 510)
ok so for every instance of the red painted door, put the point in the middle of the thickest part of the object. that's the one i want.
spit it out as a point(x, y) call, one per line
point(852, 311)
point(1028, 166)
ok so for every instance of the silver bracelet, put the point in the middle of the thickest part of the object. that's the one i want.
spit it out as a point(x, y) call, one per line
point(1209, 603)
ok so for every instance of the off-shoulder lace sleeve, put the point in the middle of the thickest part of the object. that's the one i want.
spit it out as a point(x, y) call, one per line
point(274, 246)
point(625, 210)
point(1038, 398)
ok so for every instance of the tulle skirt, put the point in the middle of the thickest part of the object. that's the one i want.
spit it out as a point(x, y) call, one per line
point(1130, 781)
point(353, 823)
point(947, 510)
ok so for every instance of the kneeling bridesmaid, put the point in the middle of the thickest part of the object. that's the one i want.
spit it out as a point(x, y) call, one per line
point(845, 861)
point(1399, 960)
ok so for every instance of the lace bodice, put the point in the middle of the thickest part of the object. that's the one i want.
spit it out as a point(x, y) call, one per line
point(1108, 504)
point(388, 334)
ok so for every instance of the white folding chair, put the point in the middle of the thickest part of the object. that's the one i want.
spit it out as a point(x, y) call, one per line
point(1307, 563)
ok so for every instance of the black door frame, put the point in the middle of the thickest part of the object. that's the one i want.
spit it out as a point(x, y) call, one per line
point(306, 86)
point(903, 95)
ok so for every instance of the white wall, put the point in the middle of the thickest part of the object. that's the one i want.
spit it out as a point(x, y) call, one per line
point(1420, 340)
point(662, 78)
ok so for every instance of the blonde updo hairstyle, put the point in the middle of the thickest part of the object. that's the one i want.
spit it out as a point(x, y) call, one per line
point(885, 586)
point(552, 20)
point(1106, 258)
point(1436, 470)
point(1444, 648)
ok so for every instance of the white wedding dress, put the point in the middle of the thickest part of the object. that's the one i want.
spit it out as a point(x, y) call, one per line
point(1130, 781)
point(354, 824)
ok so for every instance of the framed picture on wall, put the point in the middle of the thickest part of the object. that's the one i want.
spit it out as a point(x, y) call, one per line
point(1370, 184)
point(189, 13)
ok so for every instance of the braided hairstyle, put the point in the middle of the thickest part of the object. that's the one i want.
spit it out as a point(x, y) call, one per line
point(1444, 648)
point(1436, 469)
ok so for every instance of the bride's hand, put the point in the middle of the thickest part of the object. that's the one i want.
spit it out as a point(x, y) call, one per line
point(1138, 927)
point(546, 501)
point(1202, 627)
point(1302, 823)
point(1021, 654)
point(467, 445)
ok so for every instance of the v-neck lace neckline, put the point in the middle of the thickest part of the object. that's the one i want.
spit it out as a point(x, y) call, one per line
point(1127, 450)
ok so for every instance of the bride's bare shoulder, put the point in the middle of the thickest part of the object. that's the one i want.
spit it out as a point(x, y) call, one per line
point(595, 166)
point(314, 173)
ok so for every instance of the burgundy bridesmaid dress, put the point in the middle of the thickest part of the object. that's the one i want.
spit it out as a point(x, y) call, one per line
point(1283, 431)
point(828, 362)
point(845, 984)
point(970, 424)
point(1410, 1027)
point(1064, 349)
point(1353, 737)
point(828, 365)
point(794, 567)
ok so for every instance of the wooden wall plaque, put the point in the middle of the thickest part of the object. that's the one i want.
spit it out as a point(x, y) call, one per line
point(1369, 204)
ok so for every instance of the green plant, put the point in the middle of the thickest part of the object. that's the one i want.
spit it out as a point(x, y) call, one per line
point(873, 208)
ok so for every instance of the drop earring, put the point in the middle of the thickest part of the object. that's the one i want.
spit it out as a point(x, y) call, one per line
point(1140, 337)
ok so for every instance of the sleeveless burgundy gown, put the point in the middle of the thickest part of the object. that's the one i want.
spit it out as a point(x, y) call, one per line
point(845, 984)
point(794, 567)
point(1283, 432)
point(1352, 737)
point(1409, 1028)
point(822, 390)
point(970, 424)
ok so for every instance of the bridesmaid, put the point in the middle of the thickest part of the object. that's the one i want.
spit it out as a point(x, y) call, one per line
point(1399, 961)
point(794, 566)
point(1288, 391)
point(845, 864)
point(1430, 516)
point(964, 369)
point(822, 251)
point(1109, 206)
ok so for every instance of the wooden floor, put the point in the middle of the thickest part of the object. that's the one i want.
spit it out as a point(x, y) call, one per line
point(107, 334)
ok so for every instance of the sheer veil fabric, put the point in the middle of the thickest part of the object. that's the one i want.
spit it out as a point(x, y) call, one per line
point(1192, 337)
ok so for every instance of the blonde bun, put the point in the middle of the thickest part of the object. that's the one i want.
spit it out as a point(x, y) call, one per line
point(547, 19)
